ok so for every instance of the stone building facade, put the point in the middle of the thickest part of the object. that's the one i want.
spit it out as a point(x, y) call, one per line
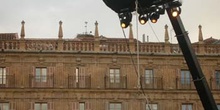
point(92, 72)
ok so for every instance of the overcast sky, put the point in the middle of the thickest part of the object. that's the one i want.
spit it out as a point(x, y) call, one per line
point(42, 19)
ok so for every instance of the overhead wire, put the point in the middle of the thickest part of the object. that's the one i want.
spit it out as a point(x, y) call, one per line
point(137, 69)
point(154, 32)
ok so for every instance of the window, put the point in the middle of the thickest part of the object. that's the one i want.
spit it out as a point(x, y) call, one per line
point(41, 75)
point(152, 107)
point(185, 77)
point(187, 106)
point(115, 106)
point(217, 77)
point(114, 75)
point(149, 76)
point(81, 106)
point(77, 75)
point(218, 106)
point(2, 75)
point(40, 106)
point(4, 106)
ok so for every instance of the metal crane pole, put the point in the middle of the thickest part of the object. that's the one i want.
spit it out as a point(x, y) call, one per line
point(199, 80)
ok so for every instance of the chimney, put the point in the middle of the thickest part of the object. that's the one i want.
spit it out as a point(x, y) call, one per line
point(143, 38)
point(147, 38)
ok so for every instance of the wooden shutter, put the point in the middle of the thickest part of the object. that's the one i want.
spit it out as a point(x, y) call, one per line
point(82, 77)
point(106, 105)
point(50, 70)
point(124, 106)
point(31, 106)
point(88, 106)
point(75, 106)
point(7, 70)
point(178, 78)
point(32, 76)
point(143, 105)
point(50, 105)
point(12, 106)
point(6, 78)
point(50, 76)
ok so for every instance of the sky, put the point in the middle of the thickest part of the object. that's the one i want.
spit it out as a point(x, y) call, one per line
point(42, 19)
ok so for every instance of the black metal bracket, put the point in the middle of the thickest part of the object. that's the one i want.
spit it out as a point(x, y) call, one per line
point(201, 84)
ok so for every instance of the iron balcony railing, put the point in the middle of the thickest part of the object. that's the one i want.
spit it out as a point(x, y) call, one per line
point(215, 83)
point(79, 81)
point(7, 81)
point(152, 82)
point(43, 81)
point(185, 83)
point(116, 82)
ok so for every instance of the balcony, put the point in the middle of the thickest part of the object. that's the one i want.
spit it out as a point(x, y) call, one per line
point(44, 81)
point(215, 83)
point(7, 81)
point(152, 82)
point(116, 82)
point(79, 81)
point(185, 84)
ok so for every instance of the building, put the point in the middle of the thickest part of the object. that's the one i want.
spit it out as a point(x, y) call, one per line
point(92, 72)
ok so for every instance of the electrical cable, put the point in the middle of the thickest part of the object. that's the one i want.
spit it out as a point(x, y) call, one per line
point(135, 68)
point(133, 63)
point(154, 32)
point(138, 57)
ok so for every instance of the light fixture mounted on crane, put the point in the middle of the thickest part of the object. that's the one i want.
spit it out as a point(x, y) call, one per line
point(147, 9)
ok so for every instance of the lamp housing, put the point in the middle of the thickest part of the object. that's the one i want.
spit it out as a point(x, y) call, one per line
point(143, 18)
point(125, 19)
point(154, 17)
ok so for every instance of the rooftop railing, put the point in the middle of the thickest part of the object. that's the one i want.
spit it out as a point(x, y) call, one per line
point(66, 45)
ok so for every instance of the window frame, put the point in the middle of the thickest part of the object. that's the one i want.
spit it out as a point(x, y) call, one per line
point(148, 76)
point(2, 105)
point(185, 77)
point(82, 106)
point(152, 105)
point(114, 75)
point(187, 105)
point(116, 106)
point(217, 77)
point(42, 75)
point(3, 75)
point(41, 105)
point(218, 106)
